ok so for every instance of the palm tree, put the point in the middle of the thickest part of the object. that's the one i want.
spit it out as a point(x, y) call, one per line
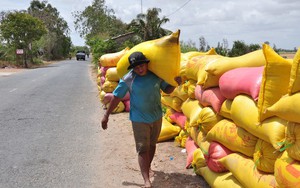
point(148, 26)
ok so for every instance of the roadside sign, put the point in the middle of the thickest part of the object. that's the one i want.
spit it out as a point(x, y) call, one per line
point(19, 51)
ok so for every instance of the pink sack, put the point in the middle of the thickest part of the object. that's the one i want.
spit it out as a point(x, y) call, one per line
point(245, 80)
point(216, 151)
point(210, 97)
point(190, 146)
point(179, 118)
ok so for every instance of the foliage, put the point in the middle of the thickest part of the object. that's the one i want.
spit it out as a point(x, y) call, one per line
point(187, 46)
point(56, 44)
point(19, 30)
point(148, 26)
point(97, 19)
point(100, 47)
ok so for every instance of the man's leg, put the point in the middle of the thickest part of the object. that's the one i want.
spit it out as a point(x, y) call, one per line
point(144, 162)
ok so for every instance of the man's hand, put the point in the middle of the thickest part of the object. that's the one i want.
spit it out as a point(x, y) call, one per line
point(104, 122)
point(178, 80)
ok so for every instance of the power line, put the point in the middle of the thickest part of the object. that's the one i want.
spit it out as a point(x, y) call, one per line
point(179, 8)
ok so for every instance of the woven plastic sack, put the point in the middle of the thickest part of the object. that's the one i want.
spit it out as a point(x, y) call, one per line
point(246, 80)
point(294, 85)
point(233, 137)
point(112, 75)
point(224, 64)
point(210, 97)
point(244, 113)
point(243, 169)
point(216, 151)
point(207, 119)
point(219, 180)
point(164, 55)
point(288, 108)
point(275, 81)
point(292, 140)
point(189, 106)
point(190, 146)
point(265, 156)
point(225, 109)
point(111, 59)
point(287, 171)
point(168, 131)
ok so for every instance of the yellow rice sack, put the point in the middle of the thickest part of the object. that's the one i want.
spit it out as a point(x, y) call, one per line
point(207, 119)
point(218, 180)
point(287, 171)
point(233, 137)
point(244, 113)
point(112, 75)
point(288, 108)
point(202, 142)
point(224, 64)
point(198, 160)
point(203, 77)
point(265, 156)
point(111, 59)
point(180, 93)
point(292, 140)
point(189, 87)
point(174, 102)
point(189, 106)
point(243, 169)
point(185, 57)
point(180, 140)
point(168, 131)
point(109, 86)
point(275, 81)
point(164, 55)
point(294, 85)
point(225, 110)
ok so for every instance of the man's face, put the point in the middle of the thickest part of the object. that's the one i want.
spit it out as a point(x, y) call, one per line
point(141, 69)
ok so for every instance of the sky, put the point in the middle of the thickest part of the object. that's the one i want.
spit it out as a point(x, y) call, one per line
point(251, 21)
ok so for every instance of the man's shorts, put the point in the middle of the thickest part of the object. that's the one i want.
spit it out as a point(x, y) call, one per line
point(146, 134)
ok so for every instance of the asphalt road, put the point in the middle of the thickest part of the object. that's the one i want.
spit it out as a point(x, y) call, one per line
point(49, 124)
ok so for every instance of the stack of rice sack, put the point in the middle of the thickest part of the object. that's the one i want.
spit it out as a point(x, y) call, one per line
point(253, 140)
point(164, 55)
point(108, 80)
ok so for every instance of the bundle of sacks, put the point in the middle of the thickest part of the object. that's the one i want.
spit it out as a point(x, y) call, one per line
point(240, 118)
point(108, 79)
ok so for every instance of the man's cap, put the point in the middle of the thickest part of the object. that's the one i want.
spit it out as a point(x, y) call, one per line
point(137, 58)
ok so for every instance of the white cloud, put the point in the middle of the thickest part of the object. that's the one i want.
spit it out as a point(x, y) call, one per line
point(252, 21)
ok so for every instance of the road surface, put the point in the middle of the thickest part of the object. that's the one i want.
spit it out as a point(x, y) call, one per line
point(49, 127)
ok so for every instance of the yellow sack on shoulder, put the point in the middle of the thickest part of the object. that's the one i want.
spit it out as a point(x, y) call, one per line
point(164, 55)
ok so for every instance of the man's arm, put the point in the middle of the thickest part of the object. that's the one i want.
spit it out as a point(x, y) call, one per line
point(169, 89)
point(112, 105)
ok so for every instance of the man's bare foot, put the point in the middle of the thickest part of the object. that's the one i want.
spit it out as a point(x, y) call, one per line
point(147, 185)
point(151, 173)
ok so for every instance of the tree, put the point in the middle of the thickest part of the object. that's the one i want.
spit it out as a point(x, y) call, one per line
point(20, 29)
point(56, 44)
point(97, 20)
point(202, 44)
point(187, 46)
point(222, 48)
point(148, 26)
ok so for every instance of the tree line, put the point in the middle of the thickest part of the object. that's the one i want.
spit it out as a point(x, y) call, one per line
point(45, 34)
point(39, 32)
